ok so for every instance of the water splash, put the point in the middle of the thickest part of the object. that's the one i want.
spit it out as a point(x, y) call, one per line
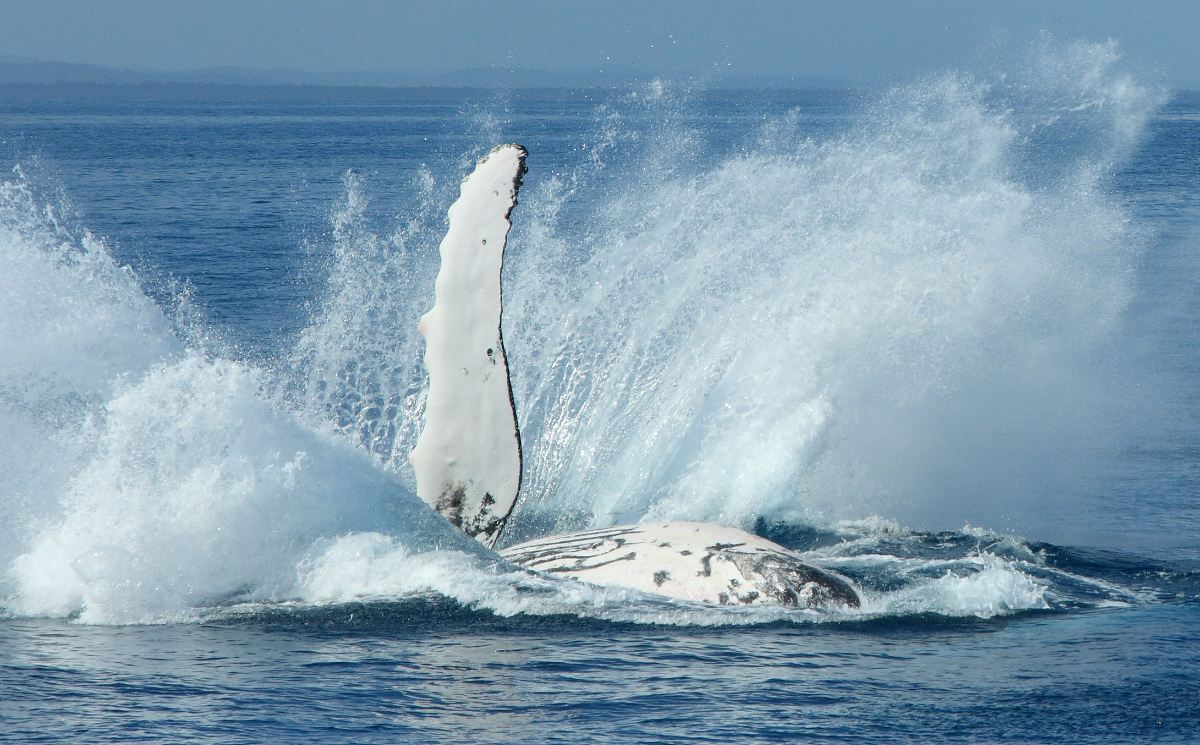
point(142, 478)
point(357, 367)
point(73, 325)
point(198, 488)
point(907, 319)
point(904, 319)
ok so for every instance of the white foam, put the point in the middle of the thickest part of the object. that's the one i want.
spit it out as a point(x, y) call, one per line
point(198, 488)
point(997, 588)
point(374, 566)
point(73, 324)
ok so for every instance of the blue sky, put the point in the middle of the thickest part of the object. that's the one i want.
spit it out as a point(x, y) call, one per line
point(848, 41)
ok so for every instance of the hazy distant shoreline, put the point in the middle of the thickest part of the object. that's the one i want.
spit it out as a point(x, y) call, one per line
point(109, 92)
point(36, 80)
point(21, 72)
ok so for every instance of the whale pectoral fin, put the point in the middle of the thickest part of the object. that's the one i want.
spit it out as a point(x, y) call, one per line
point(468, 457)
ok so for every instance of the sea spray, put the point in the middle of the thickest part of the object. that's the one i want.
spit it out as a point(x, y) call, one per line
point(357, 366)
point(911, 319)
point(920, 318)
point(141, 478)
point(198, 489)
point(73, 325)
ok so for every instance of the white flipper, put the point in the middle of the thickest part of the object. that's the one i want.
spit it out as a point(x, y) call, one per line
point(468, 458)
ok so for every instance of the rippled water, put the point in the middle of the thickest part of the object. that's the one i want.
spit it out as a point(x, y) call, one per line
point(430, 671)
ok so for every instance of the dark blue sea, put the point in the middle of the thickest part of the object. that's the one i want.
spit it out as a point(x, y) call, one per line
point(942, 338)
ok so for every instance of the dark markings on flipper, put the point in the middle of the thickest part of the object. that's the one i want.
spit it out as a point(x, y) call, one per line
point(660, 577)
point(450, 504)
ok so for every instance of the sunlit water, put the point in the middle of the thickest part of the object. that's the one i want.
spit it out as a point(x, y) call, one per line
point(941, 338)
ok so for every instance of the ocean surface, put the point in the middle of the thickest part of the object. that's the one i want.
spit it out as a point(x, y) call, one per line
point(943, 339)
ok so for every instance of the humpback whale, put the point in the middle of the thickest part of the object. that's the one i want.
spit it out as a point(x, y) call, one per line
point(468, 457)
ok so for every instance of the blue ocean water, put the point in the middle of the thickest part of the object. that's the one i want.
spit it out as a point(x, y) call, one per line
point(942, 338)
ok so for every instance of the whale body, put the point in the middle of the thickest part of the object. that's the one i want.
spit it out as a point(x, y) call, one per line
point(692, 561)
point(468, 457)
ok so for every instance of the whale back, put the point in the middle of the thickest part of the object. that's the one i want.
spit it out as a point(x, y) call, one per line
point(468, 457)
point(698, 562)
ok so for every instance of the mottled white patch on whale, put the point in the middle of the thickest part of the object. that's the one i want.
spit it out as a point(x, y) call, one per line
point(692, 561)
